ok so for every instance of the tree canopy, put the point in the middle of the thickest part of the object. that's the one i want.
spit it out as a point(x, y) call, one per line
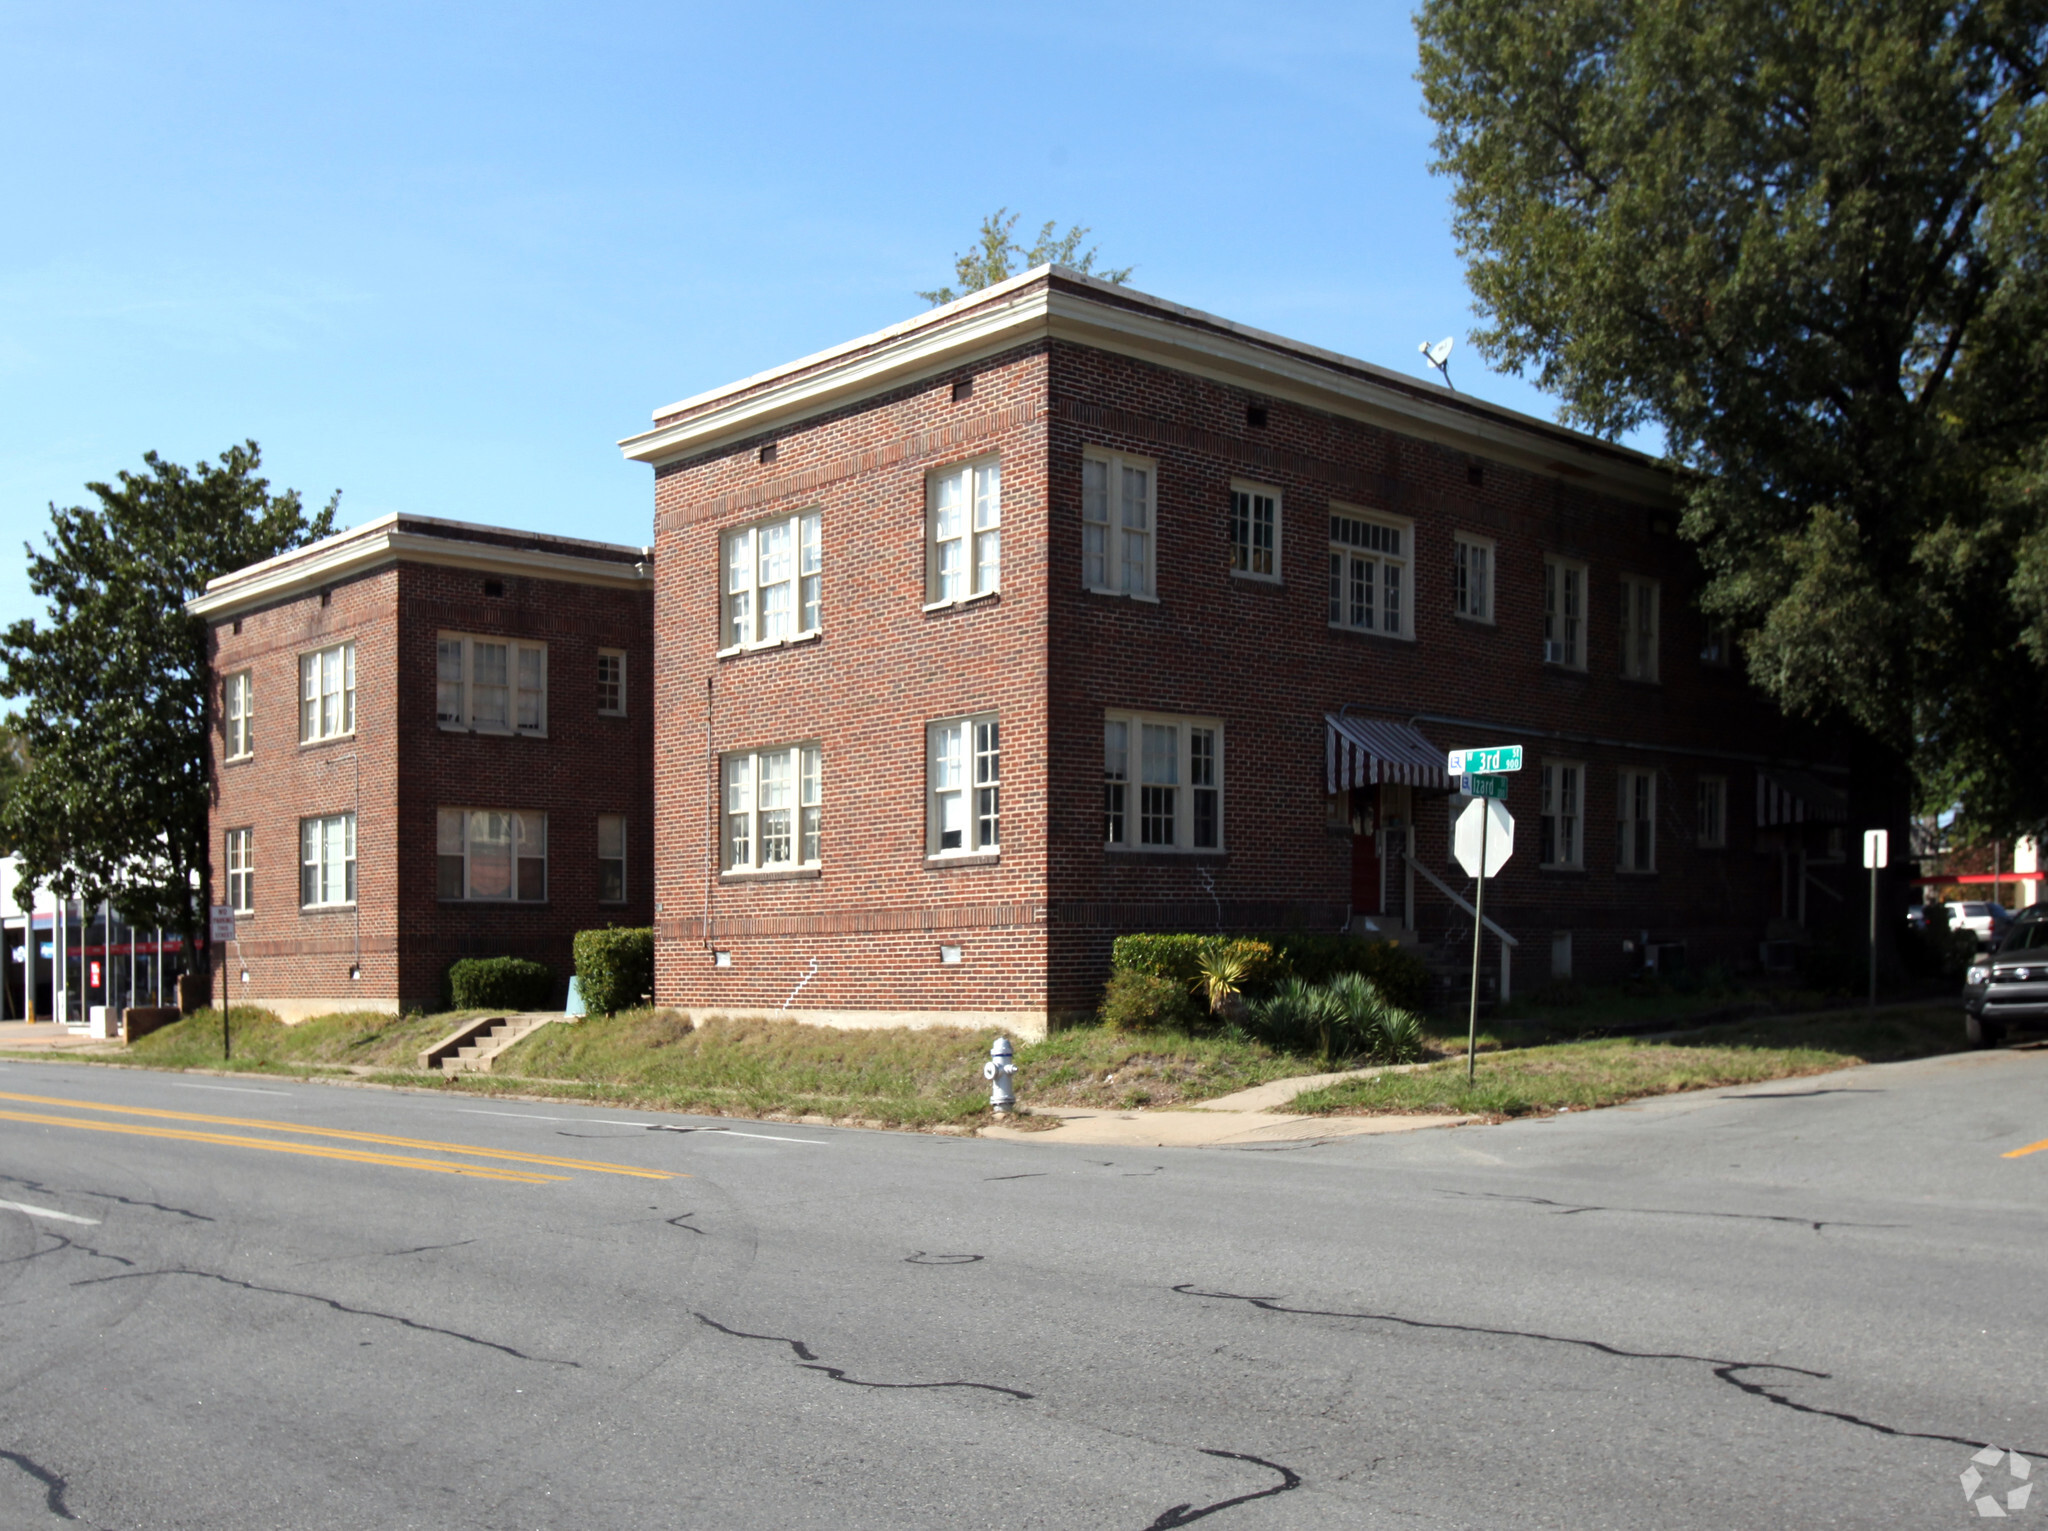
point(112, 798)
point(996, 257)
point(1806, 238)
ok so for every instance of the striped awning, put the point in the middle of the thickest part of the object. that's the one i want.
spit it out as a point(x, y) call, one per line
point(1363, 752)
point(1785, 796)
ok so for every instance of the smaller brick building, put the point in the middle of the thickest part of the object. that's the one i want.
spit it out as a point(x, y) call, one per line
point(430, 740)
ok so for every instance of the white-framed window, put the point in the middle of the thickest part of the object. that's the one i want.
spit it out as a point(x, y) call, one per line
point(1635, 838)
point(964, 796)
point(489, 855)
point(1255, 531)
point(773, 581)
point(1639, 601)
point(1564, 786)
point(237, 711)
point(1118, 523)
point(773, 803)
point(611, 858)
point(1713, 811)
point(1718, 646)
point(963, 532)
point(1472, 578)
point(491, 685)
point(1369, 573)
point(1564, 613)
point(1162, 782)
point(327, 693)
point(327, 861)
point(241, 860)
point(611, 682)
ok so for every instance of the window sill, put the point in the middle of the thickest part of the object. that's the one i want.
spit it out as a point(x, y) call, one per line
point(1641, 680)
point(314, 744)
point(1359, 632)
point(1472, 621)
point(964, 600)
point(791, 874)
point(327, 908)
point(493, 733)
point(1121, 595)
point(1635, 872)
point(1258, 579)
point(493, 903)
point(939, 860)
point(604, 712)
point(1164, 853)
point(1554, 668)
point(235, 760)
point(739, 649)
point(1561, 868)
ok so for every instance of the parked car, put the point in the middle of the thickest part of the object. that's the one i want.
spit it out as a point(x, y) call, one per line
point(2009, 987)
point(1987, 922)
point(1916, 917)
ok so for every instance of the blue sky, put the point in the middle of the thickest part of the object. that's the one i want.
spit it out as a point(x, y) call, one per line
point(442, 257)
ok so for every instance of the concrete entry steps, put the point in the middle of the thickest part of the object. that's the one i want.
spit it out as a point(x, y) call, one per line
point(477, 1043)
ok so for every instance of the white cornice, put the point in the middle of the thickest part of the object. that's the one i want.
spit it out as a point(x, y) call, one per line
point(1056, 303)
point(379, 543)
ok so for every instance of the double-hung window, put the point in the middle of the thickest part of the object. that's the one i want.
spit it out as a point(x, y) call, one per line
point(327, 693)
point(1717, 647)
point(611, 858)
point(327, 861)
point(1564, 613)
point(491, 685)
point(1255, 532)
point(1639, 629)
point(487, 855)
point(1563, 813)
point(1162, 782)
point(773, 581)
point(611, 683)
point(964, 798)
point(1713, 812)
point(1636, 822)
point(963, 555)
point(773, 802)
point(1119, 515)
point(241, 848)
point(237, 708)
point(1369, 574)
point(1472, 579)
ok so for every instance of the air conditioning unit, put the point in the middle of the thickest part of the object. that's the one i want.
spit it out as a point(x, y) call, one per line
point(1553, 652)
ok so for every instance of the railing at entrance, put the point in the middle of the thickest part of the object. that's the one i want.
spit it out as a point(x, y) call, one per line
point(1507, 942)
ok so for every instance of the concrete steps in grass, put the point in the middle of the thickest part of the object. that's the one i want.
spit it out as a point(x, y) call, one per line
point(478, 1043)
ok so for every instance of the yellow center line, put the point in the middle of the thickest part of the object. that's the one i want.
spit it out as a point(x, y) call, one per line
point(358, 1156)
point(2031, 1148)
point(262, 1125)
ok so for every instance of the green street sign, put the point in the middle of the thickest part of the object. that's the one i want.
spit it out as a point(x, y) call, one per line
point(1486, 762)
point(1483, 786)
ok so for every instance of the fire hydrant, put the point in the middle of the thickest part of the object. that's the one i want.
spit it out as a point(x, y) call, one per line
point(998, 1071)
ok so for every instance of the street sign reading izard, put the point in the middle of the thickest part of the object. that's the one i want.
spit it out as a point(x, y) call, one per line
point(1483, 786)
point(1491, 761)
point(1472, 827)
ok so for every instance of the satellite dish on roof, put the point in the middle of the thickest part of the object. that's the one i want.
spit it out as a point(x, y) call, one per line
point(1439, 357)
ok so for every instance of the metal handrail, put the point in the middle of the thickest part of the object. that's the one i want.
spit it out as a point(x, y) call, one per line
point(1450, 893)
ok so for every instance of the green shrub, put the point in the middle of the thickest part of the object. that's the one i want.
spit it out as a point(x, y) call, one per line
point(1346, 1018)
point(1139, 1001)
point(1181, 958)
point(615, 968)
point(1317, 958)
point(500, 983)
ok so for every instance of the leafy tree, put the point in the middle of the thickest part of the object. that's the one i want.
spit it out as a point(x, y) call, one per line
point(1808, 239)
point(113, 799)
point(996, 257)
point(13, 763)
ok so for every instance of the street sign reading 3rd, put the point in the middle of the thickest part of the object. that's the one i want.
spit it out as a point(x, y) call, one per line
point(1490, 761)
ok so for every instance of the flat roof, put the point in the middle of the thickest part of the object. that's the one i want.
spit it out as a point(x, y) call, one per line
point(1060, 303)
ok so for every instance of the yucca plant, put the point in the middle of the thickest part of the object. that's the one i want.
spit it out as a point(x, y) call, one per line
point(1222, 979)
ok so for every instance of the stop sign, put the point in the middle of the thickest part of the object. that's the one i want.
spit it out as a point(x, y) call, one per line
point(1499, 834)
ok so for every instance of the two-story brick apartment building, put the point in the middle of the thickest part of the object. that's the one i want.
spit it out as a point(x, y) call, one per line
point(1062, 611)
point(430, 740)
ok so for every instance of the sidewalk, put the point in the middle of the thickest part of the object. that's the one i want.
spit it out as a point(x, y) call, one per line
point(1229, 1121)
point(47, 1034)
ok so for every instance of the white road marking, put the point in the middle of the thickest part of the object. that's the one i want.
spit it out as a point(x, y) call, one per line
point(232, 1089)
point(49, 1212)
point(600, 1121)
point(768, 1137)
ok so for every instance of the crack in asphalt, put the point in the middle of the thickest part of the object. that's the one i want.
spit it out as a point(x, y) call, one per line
point(677, 1222)
point(1723, 1369)
point(126, 1201)
point(1184, 1515)
point(63, 1243)
point(54, 1486)
point(925, 1257)
point(811, 1363)
point(1034, 1175)
point(336, 1306)
point(1568, 1209)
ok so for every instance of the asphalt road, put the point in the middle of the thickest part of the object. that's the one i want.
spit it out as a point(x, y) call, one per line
point(238, 1303)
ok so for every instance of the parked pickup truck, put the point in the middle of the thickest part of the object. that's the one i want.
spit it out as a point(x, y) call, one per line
point(2009, 987)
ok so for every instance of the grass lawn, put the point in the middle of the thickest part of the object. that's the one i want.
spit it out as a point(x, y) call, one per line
point(1605, 1072)
point(750, 1067)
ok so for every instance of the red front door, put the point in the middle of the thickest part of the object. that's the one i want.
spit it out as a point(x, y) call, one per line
point(1365, 852)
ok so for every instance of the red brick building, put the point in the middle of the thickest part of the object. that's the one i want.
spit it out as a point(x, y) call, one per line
point(1063, 611)
point(430, 741)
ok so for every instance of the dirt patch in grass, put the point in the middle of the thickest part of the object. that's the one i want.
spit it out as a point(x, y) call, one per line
point(1578, 1075)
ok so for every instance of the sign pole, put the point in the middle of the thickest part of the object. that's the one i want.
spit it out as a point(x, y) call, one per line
point(1876, 853)
point(1478, 929)
point(1873, 939)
